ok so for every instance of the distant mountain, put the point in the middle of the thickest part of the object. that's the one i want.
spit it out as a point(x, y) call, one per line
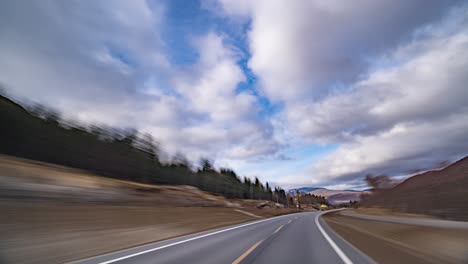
point(442, 193)
point(344, 197)
point(333, 196)
point(304, 190)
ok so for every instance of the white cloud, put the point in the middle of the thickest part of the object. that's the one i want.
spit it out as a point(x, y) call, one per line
point(430, 84)
point(104, 56)
point(407, 117)
point(385, 81)
point(306, 48)
point(231, 127)
point(400, 151)
point(107, 64)
point(380, 79)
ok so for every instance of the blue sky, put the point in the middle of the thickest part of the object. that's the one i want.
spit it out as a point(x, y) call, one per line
point(297, 93)
point(188, 19)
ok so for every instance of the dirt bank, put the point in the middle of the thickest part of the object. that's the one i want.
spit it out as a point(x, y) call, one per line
point(53, 214)
point(401, 243)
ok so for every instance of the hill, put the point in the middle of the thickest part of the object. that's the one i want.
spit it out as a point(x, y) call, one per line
point(344, 197)
point(332, 196)
point(442, 193)
point(74, 214)
point(36, 133)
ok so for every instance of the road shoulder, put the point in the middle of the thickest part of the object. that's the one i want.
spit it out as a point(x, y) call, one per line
point(384, 241)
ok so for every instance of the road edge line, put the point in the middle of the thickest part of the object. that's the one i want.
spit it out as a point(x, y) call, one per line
point(334, 233)
point(335, 247)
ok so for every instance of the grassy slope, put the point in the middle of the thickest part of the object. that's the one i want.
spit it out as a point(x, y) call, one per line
point(74, 214)
point(400, 243)
point(27, 136)
point(442, 193)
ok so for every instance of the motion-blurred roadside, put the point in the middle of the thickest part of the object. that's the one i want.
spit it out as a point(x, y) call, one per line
point(69, 191)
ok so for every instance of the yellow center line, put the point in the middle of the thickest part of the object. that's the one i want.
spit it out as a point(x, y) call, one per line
point(242, 257)
point(279, 228)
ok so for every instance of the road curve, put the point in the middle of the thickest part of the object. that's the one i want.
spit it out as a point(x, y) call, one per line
point(296, 238)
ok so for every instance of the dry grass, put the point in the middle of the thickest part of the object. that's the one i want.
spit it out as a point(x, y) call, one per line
point(55, 233)
point(53, 214)
point(400, 243)
point(21, 179)
point(441, 193)
point(389, 212)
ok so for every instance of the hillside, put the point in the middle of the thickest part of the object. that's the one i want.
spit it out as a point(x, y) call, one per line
point(332, 196)
point(442, 193)
point(38, 134)
point(74, 214)
point(25, 180)
point(344, 197)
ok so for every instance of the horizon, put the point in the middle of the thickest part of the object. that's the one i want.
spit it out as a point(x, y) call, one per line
point(331, 94)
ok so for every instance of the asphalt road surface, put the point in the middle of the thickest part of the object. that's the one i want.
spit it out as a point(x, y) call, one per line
point(296, 238)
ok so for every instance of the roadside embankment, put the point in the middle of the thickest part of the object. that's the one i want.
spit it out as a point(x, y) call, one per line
point(53, 214)
point(412, 243)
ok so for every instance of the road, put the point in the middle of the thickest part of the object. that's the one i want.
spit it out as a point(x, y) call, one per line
point(296, 238)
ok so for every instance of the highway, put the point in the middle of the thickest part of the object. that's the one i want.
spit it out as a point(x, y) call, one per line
point(295, 238)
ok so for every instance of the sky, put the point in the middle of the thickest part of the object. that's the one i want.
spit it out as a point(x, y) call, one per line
point(297, 93)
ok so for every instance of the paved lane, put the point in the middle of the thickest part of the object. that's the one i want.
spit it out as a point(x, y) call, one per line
point(286, 239)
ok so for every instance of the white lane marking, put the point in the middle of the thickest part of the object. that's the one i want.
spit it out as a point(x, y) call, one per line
point(187, 240)
point(338, 251)
point(279, 228)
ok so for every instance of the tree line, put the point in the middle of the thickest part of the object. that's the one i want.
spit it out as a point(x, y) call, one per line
point(37, 133)
point(312, 199)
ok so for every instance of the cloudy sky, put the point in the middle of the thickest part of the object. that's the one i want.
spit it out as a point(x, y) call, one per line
point(302, 92)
